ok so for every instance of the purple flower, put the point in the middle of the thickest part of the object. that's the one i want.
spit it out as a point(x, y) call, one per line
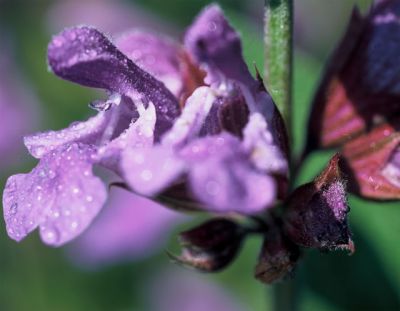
point(225, 147)
point(129, 227)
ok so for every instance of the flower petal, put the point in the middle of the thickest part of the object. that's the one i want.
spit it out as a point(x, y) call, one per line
point(88, 132)
point(148, 171)
point(192, 119)
point(159, 56)
point(139, 134)
point(214, 43)
point(85, 56)
point(223, 178)
point(229, 112)
point(259, 142)
point(60, 195)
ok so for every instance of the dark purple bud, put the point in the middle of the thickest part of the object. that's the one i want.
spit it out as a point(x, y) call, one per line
point(211, 246)
point(361, 84)
point(316, 214)
point(278, 256)
point(84, 55)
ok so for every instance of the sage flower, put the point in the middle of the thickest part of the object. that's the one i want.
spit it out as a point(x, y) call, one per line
point(219, 139)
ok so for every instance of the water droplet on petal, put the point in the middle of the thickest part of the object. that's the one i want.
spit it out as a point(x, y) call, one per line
point(57, 42)
point(89, 198)
point(136, 54)
point(212, 187)
point(50, 236)
point(146, 175)
point(212, 26)
point(51, 174)
point(38, 151)
point(74, 225)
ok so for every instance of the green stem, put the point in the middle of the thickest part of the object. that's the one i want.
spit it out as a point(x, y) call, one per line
point(279, 54)
point(278, 76)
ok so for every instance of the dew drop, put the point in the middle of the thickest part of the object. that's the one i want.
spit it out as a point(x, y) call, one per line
point(195, 149)
point(146, 175)
point(38, 151)
point(71, 35)
point(57, 42)
point(212, 187)
point(51, 174)
point(50, 236)
point(212, 26)
point(136, 54)
point(89, 198)
point(74, 225)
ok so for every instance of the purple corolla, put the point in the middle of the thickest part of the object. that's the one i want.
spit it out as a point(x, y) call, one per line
point(217, 142)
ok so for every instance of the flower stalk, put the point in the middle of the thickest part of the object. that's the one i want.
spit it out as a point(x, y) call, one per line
point(278, 38)
point(278, 67)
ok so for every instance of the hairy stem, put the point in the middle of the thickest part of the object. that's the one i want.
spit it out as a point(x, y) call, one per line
point(278, 76)
point(279, 54)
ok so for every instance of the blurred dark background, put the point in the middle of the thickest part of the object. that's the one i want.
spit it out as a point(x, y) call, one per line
point(36, 277)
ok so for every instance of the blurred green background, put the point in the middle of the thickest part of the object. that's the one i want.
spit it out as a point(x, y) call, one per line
point(36, 277)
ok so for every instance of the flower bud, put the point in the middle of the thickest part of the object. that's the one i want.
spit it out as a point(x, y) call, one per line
point(278, 257)
point(316, 215)
point(360, 87)
point(211, 246)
